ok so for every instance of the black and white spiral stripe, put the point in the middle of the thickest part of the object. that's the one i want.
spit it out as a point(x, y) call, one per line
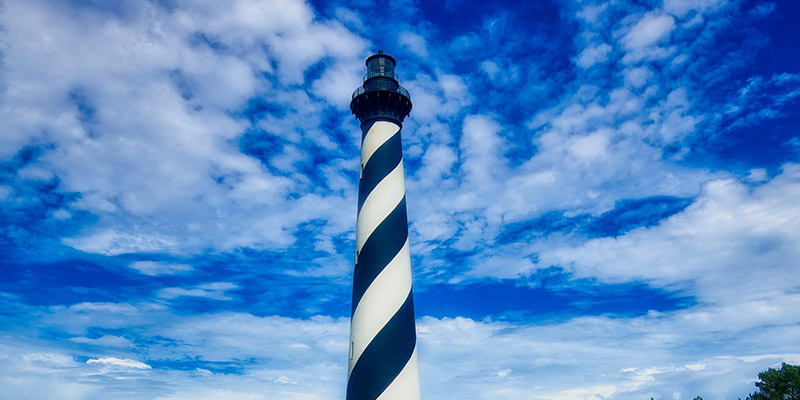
point(383, 356)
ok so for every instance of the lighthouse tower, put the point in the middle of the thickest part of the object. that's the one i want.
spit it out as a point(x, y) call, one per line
point(383, 342)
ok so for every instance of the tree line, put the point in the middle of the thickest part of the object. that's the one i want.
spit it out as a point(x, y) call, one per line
point(775, 384)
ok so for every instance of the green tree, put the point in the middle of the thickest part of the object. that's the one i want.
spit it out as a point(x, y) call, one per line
point(778, 384)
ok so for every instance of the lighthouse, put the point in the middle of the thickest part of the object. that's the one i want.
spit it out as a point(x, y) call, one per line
point(383, 342)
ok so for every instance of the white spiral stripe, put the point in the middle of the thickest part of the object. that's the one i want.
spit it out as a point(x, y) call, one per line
point(379, 204)
point(406, 385)
point(377, 135)
point(384, 296)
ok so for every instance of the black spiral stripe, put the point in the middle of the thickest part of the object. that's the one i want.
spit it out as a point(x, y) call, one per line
point(385, 356)
point(385, 361)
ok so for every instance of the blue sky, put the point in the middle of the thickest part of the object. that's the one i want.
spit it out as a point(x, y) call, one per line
point(602, 196)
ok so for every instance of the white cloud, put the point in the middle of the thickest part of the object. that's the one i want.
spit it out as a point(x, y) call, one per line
point(6, 192)
point(727, 240)
point(590, 146)
point(648, 31)
point(501, 72)
point(639, 357)
point(480, 148)
point(35, 172)
point(587, 393)
point(695, 367)
point(119, 362)
point(757, 175)
point(60, 215)
point(594, 54)
point(214, 291)
point(349, 18)
point(156, 156)
point(159, 268)
point(637, 77)
point(111, 242)
point(437, 97)
point(337, 83)
point(490, 68)
point(681, 8)
point(762, 98)
point(105, 341)
point(676, 120)
point(591, 13)
point(414, 43)
point(596, 146)
point(217, 394)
